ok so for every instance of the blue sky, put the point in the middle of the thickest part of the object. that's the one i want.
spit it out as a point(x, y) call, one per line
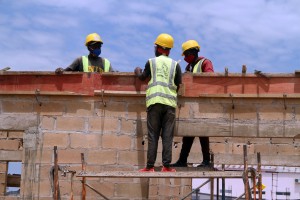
point(43, 35)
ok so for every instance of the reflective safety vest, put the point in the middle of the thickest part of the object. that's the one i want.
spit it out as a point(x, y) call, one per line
point(86, 64)
point(161, 87)
point(198, 67)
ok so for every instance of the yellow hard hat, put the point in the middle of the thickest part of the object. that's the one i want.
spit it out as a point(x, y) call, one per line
point(189, 44)
point(165, 40)
point(93, 37)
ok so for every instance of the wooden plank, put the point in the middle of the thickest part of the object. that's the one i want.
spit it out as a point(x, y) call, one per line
point(186, 174)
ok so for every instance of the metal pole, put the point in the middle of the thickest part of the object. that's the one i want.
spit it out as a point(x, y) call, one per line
point(223, 184)
point(83, 167)
point(55, 174)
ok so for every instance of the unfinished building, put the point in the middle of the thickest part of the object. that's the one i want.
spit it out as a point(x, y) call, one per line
point(97, 122)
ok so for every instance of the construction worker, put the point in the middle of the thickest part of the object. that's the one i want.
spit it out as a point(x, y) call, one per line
point(161, 101)
point(92, 62)
point(196, 64)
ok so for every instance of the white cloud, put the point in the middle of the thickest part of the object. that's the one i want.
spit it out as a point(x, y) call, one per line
point(260, 34)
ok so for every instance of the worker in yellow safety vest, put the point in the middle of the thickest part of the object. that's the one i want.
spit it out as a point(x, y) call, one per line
point(161, 101)
point(91, 62)
point(196, 64)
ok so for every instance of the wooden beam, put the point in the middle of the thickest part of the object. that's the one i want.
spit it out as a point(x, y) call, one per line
point(180, 174)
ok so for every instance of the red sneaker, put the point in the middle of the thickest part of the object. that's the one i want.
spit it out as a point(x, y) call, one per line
point(147, 169)
point(168, 169)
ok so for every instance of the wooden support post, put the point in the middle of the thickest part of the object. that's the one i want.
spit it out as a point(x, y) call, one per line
point(56, 187)
point(212, 189)
point(246, 180)
point(259, 176)
point(253, 176)
point(83, 167)
point(223, 183)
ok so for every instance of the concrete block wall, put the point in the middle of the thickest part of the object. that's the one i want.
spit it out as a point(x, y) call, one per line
point(11, 145)
point(107, 135)
point(109, 132)
point(266, 125)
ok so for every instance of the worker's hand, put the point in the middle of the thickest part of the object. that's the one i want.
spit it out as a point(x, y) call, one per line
point(59, 70)
point(137, 70)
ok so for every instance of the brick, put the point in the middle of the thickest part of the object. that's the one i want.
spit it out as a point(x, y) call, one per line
point(239, 149)
point(245, 112)
point(105, 188)
point(3, 134)
point(201, 110)
point(15, 134)
point(100, 124)
point(85, 140)
point(3, 167)
point(70, 123)
point(242, 129)
point(50, 108)
point(44, 188)
point(79, 108)
point(17, 106)
point(133, 190)
point(282, 141)
point(265, 149)
point(9, 144)
point(137, 111)
point(127, 126)
point(288, 150)
point(183, 111)
point(133, 158)
point(275, 112)
point(46, 156)
point(122, 142)
point(8, 155)
point(218, 147)
point(107, 157)
point(112, 109)
point(60, 140)
point(47, 123)
point(271, 130)
point(69, 156)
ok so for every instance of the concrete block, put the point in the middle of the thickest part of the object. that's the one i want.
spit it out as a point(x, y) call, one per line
point(16, 134)
point(60, 140)
point(107, 157)
point(47, 123)
point(17, 106)
point(99, 124)
point(9, 145)
point(56, 108)
point(70, 123)
point(80, 108)
point(84, 141)
point(120, 142)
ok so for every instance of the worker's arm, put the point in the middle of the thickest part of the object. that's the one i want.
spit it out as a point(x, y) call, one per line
point(207, 66)
point(142, 75)
point(75, 66)
point(178, 77)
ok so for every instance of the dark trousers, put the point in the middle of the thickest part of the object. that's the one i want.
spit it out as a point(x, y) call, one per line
point(187, 143)
point(160, 122)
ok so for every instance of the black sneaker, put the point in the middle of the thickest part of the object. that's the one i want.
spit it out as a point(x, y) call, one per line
point(178, 164)
point(205, 163)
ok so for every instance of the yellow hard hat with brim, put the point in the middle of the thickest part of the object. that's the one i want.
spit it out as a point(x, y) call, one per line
point(189, 45)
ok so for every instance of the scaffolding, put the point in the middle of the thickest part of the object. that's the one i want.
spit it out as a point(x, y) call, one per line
point(210, 175)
